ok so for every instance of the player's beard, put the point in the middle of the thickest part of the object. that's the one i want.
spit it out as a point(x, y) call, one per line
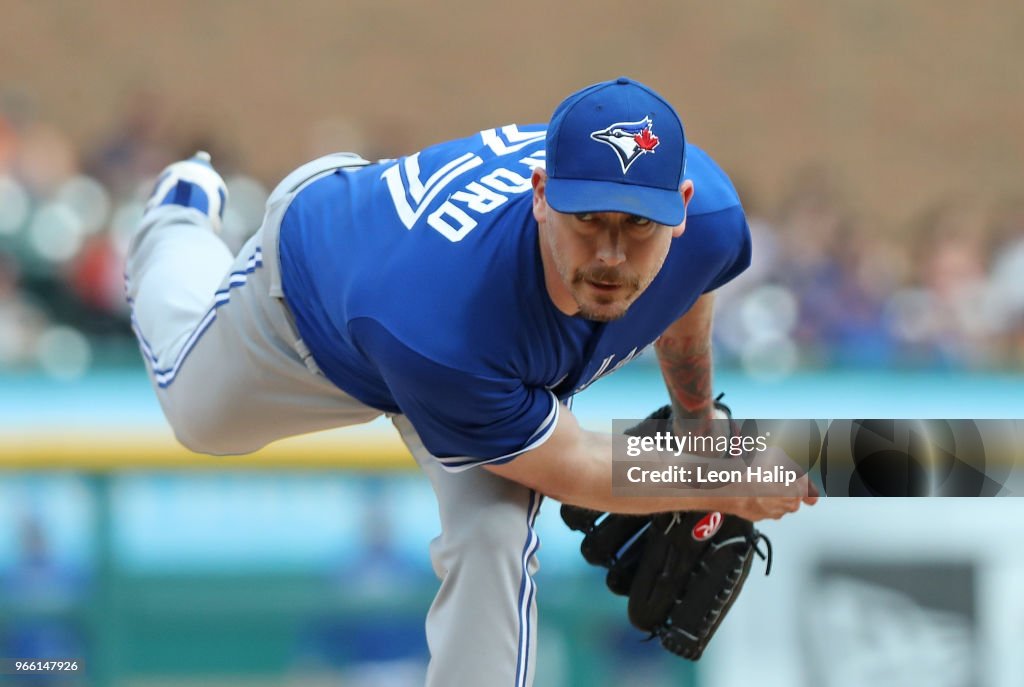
point(605, 307)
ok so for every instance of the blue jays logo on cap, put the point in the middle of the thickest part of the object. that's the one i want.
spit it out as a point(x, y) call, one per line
point(629, 140)
point(623, 114)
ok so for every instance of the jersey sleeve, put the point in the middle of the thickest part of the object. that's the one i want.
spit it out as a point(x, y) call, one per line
point(731, 227)
point(464, 419)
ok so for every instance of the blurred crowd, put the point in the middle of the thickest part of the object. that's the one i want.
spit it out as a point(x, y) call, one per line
point(828, 286)
point(66, 217)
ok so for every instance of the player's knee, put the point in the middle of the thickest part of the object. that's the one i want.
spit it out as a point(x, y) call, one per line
point(203, 443)
point(206, 432)
point(497, 531)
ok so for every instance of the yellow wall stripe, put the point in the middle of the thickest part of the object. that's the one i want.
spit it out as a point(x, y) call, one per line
point(101, 452)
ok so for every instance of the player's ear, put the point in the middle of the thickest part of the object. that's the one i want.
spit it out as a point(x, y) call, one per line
point(686, 191)
point(540, 203)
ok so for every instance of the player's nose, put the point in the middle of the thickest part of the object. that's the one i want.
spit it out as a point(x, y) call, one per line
point(610, 249)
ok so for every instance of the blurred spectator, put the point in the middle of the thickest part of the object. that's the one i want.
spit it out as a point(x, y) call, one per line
point(15, 115)
point(943, 317)
point(1007, 282)
point(136, 148)
point(8, 141)
point(45, 158)
point(96, 280)
point(21, 322)
point(855, 331)
point(814, 230)
point(43, 593)
point(375, 649)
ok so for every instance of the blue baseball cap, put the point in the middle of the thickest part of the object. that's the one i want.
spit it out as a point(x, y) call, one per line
point(617, 146)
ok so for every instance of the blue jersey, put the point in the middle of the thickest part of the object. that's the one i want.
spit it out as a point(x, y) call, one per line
point(417, 285)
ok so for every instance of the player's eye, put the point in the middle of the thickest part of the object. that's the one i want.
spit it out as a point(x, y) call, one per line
point(638, 221)
point(584, 216)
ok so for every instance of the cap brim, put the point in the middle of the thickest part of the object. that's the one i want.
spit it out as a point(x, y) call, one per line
point(578, 195)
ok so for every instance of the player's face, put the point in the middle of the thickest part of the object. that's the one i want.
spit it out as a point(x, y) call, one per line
point(606, 259)
point(597, 264)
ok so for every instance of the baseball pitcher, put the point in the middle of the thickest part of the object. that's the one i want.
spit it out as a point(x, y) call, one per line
point(467, 292)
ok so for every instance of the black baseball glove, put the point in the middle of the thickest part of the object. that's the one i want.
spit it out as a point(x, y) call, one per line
point(681, 571)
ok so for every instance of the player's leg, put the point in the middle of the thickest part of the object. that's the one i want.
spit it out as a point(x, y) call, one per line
point(177, 260)
point(229, 370)
point(482, 626)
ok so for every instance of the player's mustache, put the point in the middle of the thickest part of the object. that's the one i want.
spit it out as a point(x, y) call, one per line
point(607, 275)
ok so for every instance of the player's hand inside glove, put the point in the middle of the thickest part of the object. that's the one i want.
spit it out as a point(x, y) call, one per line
point(681, 571)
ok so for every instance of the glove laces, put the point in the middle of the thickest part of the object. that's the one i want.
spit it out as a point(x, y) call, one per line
point(767, 557)
point(677, 518)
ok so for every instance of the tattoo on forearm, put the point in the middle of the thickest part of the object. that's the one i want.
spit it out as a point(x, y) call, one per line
point(686, 366)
